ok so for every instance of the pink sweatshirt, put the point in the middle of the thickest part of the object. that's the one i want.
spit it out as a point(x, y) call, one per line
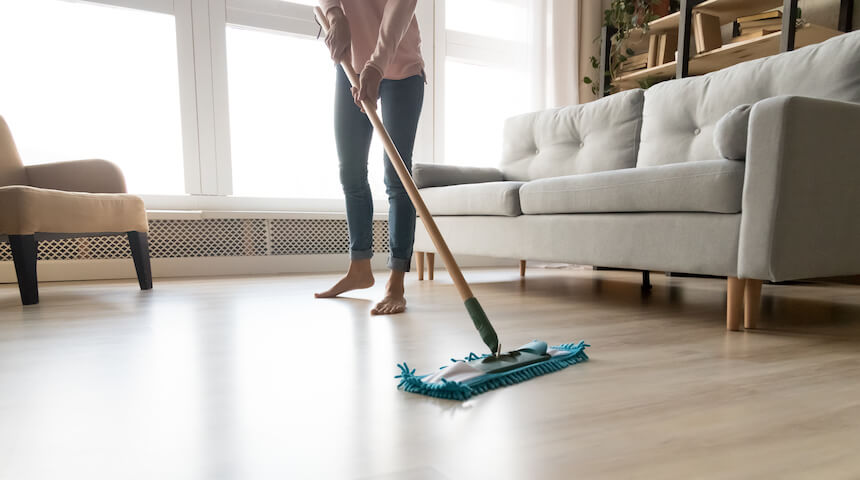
point(385, 35)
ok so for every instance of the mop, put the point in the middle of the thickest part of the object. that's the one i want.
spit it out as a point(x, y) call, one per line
point(474, 374)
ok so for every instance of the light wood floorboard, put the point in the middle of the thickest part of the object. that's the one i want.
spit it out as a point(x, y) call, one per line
point(251, 378)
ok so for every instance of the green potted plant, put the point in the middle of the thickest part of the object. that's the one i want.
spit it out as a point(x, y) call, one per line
point(625, 17)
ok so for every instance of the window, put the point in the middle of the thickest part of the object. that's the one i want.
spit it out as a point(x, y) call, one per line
point(509, 18)
point(220, 99)
point(89, 81)
point(281, 108)
point(478, 99)
point(486, 77)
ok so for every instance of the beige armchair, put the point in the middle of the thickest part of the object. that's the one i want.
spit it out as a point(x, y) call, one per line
point(65, 199)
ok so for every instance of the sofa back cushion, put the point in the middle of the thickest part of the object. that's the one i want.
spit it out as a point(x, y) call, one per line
point(593, 137)
point(680, 116)
point(11, 170)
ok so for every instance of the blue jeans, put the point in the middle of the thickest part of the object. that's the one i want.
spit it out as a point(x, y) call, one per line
point(401, 108)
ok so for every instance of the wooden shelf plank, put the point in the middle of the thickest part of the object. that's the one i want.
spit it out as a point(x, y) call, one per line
point(729, 55)
point(631, 80)
point(752, 49)
point(664, 24)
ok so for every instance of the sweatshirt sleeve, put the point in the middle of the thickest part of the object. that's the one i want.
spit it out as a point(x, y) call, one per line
point(327, 5)
point(396, 18)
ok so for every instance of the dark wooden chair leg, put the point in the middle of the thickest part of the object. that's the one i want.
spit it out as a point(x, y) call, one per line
point(24, 252)
point(139, 243)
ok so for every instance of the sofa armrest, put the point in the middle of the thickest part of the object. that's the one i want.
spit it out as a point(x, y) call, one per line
point(433, 175)
point(90, 176)
point(801, 198)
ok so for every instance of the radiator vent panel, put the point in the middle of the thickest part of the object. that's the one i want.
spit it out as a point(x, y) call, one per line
point(219, 237)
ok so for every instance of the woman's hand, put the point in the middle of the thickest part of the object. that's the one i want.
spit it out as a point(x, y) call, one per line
point(339, 38)
point(368, 87)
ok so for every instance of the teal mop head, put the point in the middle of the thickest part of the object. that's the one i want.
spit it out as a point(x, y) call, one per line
point(477, 374)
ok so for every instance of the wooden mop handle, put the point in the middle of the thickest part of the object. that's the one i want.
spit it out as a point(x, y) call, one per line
point(405, 178)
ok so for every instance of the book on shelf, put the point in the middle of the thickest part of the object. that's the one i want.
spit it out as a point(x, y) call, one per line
point(774, 22)
point(635, 62)
point(706, 30)
point(667, 47)
point(761, 16)
point(652, 50)
point(756, 33)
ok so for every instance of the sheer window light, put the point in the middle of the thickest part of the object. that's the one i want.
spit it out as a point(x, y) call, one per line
point(90, 81)
point(499, 19)
point(281, 117)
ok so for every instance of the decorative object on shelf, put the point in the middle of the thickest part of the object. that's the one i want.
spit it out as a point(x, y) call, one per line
point(624, 17)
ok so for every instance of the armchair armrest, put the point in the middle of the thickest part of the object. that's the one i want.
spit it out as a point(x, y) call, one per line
point(433, 175)
point(90, 176)
point(801, 200)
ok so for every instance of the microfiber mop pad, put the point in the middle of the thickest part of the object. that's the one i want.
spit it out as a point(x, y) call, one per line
point(477, 374)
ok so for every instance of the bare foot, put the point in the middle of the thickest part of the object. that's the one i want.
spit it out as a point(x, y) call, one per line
point(394, 300)
point(358, 276)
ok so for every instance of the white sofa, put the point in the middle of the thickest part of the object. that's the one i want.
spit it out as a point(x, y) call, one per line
point(635, 180)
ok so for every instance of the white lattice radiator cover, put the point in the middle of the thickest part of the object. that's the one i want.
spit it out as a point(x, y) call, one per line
point(216, 237)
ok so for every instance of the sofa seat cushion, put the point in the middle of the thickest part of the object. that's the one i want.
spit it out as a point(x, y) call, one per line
point(707, 186)
point(491, 198)
point(29, 210)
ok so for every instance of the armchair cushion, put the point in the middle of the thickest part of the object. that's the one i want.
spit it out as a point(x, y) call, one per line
point(432, 175)
point(91, 176)
point(28, 210)
point(11, 170)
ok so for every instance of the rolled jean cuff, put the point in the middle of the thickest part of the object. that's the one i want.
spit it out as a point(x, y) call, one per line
point(399, 264)
point(360, 254)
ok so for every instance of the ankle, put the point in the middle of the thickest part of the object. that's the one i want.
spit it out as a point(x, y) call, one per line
point(360, 267)
point(395, 282)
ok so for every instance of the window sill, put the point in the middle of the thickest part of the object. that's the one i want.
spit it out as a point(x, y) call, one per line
point(219, 206)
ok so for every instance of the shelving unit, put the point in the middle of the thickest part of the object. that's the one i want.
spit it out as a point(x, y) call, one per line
point(727, 11)
point(729, 55)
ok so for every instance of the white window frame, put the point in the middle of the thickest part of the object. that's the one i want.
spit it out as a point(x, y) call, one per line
point(477, 50)
point(204, 104)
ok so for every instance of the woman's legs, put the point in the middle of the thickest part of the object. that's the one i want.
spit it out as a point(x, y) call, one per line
point(401, 109)
point(353, 133)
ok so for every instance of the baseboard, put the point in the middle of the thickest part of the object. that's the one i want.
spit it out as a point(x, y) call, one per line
point(113, 269)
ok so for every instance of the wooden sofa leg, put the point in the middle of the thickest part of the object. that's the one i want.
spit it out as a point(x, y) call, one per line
point(735, 304)
point(139, 243)
point(752, 303)
point(419, 264)
point(24, 253)
point(431, 259)
point(522, 268)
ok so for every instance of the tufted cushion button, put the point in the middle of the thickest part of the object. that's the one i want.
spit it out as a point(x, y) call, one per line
point(537, 151)
point(581, 144)
point(697, 131)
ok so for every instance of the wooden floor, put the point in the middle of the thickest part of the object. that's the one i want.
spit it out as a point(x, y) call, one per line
point(252, 378)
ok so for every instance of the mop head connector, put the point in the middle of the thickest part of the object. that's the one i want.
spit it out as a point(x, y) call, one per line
point(477, 374)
